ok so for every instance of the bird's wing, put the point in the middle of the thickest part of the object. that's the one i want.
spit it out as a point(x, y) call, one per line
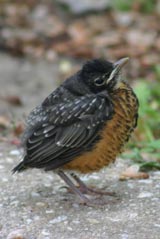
point(71, 128)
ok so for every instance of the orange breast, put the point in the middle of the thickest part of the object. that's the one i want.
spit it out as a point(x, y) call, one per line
point(113, 136)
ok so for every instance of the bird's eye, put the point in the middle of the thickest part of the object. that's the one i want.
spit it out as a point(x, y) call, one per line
point(99, 81)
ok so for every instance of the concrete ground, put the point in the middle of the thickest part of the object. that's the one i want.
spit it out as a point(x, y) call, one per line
point(35, 205)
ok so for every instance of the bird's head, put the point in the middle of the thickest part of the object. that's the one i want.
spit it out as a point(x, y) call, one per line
point(101, 75)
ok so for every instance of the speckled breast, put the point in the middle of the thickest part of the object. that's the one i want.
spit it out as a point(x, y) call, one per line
point(113, 136)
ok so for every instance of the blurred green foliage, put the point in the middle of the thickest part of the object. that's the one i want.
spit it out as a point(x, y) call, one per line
point(144, 148)
point(146, 6)
point(149, 116)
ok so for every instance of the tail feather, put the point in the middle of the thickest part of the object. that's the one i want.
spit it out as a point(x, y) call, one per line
point(20, 167)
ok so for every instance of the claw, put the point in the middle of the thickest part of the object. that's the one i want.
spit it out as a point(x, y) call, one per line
point(83, 189)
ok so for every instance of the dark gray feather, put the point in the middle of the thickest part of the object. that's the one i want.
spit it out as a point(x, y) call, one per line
point(65, 130)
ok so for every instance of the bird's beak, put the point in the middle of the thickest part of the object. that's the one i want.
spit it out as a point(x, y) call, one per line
point(118, 65)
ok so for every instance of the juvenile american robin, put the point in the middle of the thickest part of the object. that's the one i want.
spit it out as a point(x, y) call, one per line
point(82, 125)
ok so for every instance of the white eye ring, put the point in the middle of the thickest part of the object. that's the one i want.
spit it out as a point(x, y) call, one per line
point(99, 81)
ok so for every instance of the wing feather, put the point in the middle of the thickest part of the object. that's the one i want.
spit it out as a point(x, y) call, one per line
point(70, 128)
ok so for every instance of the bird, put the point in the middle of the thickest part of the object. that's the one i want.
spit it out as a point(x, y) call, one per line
point(82, 126)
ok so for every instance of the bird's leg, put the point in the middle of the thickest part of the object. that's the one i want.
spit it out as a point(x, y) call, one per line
point(84, 199)
point(86, 190)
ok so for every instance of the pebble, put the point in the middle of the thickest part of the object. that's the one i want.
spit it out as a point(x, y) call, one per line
point(145, 195)
point(16, 234)
point(124, 19)
point(115, 219)
point(130, 185)
point(45, 233)
point(92, 220)
point(75, 205)
point(35, 195)
point(133, 215)
point(70, 228)
point(148, 181)
point(80, 7)
point(4, 180)
point(37, 218)
point(14, 203)
point(58, 219)
point(155, 199)
point(50, 177)
point(28, 220)
point(87, 177)
point(47, 185)
point(12, 197)
point(1, 167)
point(157, 225)
point(49, 211)
point(15, 152)
point(9, 160)
point(76, 221)
point(157, 174)
point(124, 236)
point(157, 186)
point(40, 204)
point(65, 66)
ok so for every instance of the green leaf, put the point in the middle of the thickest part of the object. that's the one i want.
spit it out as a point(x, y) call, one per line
point(154, 144)
point(146, 166)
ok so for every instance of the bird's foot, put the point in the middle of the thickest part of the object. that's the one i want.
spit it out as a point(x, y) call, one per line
point(91, 191)
point(83, 189)
point(87, 190)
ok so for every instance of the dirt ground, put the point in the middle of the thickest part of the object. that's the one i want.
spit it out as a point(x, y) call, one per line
point(35, 205)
